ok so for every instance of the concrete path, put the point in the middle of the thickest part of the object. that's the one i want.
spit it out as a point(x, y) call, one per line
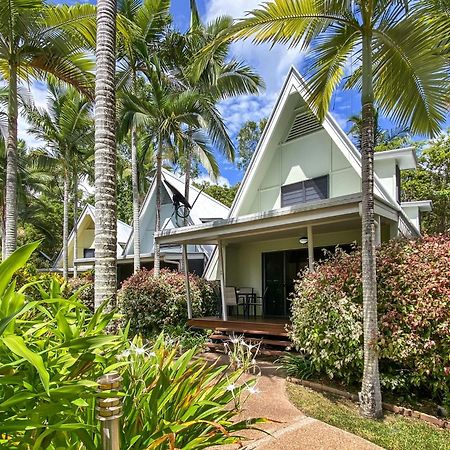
point(290, 429)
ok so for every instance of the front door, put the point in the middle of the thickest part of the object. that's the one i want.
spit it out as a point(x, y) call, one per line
point(280, 270)
point(274, 299)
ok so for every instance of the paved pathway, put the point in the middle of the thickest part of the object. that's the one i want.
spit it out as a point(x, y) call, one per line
point(290, 429)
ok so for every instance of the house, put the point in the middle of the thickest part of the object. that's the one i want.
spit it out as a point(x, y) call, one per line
point(85, 252)
point(300, 194)
point(203, 210)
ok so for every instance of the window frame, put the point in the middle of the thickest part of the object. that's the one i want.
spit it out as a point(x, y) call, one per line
point(302, 185)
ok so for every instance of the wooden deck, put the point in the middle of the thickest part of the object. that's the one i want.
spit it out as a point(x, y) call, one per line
point(259, 326)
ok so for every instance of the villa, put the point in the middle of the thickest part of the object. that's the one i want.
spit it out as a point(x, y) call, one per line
point(300, 194)
point(204, 209)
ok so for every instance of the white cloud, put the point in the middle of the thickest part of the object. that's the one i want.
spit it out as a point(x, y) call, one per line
point(220, 181)
point(272, 64)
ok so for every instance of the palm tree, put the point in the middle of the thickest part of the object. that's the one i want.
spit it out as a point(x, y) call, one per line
point(33, 178)
point(37, 40)
point(381, 137)
point(220, 78)
point(171, 118)
point(105, 154)
point(67, 129)
point(149, 19)
point(402, 77)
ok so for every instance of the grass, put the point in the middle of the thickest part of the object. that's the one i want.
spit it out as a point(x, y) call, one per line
point(392, 432)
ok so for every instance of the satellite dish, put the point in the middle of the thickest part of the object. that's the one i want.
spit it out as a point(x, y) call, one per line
point(182, 206)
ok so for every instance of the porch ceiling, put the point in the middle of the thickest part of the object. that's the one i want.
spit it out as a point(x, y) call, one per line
point(330, 214)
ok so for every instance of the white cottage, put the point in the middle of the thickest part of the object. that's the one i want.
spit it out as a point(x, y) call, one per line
point(300, 194)
point(84, 255)
point(203, 210)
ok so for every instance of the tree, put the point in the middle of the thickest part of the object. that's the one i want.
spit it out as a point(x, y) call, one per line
point(150, 19)
point(431, 181)
point(383, 139)
point(171, 118)
point(404, 78)
point(37, 40)
point(224, 194)
point(248, 138)
point(105, 155)
point(67, 129)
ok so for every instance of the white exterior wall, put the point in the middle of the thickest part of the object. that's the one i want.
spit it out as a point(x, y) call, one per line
point(244, 261)
point(308, 157)
point(385, 169)
point(413, 214)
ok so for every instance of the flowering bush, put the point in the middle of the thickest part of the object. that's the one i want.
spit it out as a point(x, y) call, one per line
point(152, 303)
point(413, 309)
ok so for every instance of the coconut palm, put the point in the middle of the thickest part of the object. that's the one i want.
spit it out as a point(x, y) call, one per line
point(171, 118)
point(105, 155)
point(149, 19)
point(221, 78)
point(400, 76)
point(37, 40)
point(67, 129)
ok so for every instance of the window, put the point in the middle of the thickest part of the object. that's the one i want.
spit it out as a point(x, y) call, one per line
point(89, 253)
point(304, 191)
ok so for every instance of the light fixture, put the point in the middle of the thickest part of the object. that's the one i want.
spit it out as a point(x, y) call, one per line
point(303, 240)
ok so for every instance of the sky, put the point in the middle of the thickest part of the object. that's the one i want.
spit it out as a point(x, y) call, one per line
point(271, 63)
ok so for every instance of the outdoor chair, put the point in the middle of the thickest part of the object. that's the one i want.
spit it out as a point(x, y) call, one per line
point(231, 300)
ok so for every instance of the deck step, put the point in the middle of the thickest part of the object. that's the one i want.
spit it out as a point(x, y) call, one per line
point(254, 330)
point(262, 352)
point(264, 341)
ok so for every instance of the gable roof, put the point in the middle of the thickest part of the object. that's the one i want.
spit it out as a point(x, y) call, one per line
point(204, 207)
point(294, 83)
point(123, 230)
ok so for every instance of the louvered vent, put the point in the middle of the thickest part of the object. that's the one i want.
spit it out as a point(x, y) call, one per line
point(304, 123)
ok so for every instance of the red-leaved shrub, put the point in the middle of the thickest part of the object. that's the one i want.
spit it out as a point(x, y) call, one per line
point(152, 303)
point(414, 315)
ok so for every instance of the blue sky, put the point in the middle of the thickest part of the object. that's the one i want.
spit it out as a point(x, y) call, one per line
point(272, 64)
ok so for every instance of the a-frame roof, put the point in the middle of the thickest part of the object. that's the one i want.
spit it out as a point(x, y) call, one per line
point(204, 207)
point(123, 230)
point(295, 84)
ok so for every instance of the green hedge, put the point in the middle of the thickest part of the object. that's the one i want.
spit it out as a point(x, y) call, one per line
point(153, 303)
point(414, 316)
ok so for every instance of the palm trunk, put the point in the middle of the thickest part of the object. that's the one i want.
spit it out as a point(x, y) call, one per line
point(66, 228)
point(135, 189)
point(185, 259)
point(187, 182)
point(75, 222)
point(11, 167)
point(157, 263)
point(370, 395)
point(105, 155)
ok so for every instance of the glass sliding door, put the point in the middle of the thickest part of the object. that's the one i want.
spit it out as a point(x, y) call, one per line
point(280, 270)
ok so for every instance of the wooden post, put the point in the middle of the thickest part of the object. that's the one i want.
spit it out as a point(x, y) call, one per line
point(186, 281)
point(109, 411)
point(310, 248)
point(222, 280)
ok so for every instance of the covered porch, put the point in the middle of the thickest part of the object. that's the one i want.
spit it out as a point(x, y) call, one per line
point(265, 252)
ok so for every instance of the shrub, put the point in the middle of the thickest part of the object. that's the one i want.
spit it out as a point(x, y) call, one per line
point(52, 350)
point(413, 308)
point(83, 286)
point(152, 303)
